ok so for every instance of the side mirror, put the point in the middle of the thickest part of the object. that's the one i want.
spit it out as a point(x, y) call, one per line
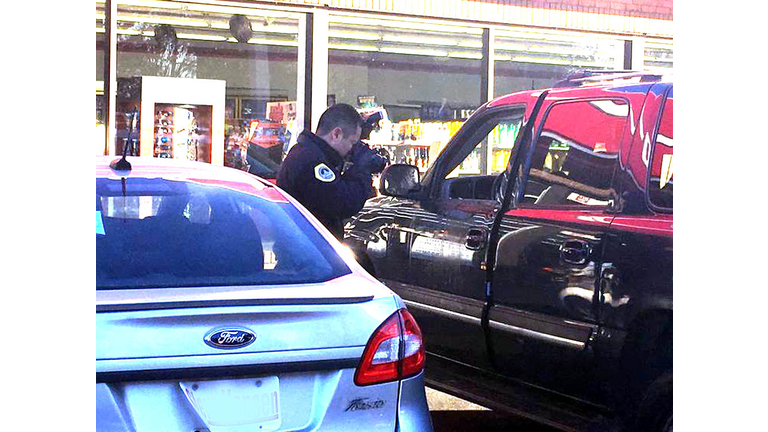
point(399, 180)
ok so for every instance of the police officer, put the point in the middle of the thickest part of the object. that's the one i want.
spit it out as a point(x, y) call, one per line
point(313, 171)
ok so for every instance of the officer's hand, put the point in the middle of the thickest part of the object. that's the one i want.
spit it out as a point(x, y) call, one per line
point(366, 161)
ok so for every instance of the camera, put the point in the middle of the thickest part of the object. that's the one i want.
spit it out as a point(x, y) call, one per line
point(372, 159)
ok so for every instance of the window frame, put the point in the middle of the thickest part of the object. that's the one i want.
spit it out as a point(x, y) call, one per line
point(457, 149)
point(649, 202)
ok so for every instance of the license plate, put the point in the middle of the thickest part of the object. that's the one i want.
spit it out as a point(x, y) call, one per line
point(227, 404)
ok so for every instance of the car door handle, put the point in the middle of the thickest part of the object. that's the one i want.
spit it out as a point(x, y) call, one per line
point(476, 238)
point(575, 251)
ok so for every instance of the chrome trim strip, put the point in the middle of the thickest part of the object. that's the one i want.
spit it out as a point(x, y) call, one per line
point(569, 343)
point(443, 312)
point(183, 304)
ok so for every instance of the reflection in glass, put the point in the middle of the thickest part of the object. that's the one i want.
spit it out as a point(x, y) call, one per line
point(253, 50)
point(530, 60)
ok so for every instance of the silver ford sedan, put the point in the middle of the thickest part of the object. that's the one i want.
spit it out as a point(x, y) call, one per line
point(223, 305)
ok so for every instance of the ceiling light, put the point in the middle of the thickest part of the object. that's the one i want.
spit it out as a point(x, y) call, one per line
point(275, 29)
point(353, 35)
point(511, 47)
point(251, 13)
point(352, 47)
point(155, 20)
point(419, 40)
point(201, 37)
point(554, 61)
point(465, 55)
point(432, 53)
point(554, 35)
point(149, 4)
point(128, 32)
point(521, 59)
point(658, 59)
point(410, 25)
point(257, 41)
point(470, 44)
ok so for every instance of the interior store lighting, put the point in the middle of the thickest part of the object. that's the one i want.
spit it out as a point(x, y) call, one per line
point(423, 52)
point(230, 10)
point(275, 29)
point(658, 59)
point(353, 35)
point(128, 32)
point(213, 38)
point(353, 47)
point(551, 36)
point(542, 50)
point(260, 41)
point(157, 20)
point(420, 40)
point(147, 33)
point(410, 25)
point(561, 62)
point(259, 28)
point(465, 55)
point(470, 44)
point(146, 3)
point(233, 10)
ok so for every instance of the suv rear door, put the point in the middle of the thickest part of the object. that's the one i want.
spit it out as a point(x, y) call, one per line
point(548, 260)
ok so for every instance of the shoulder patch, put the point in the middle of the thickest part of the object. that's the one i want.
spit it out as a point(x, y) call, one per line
point(324, 174)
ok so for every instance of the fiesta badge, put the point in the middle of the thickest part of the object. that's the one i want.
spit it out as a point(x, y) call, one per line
point(230, 338)
point(324, 174)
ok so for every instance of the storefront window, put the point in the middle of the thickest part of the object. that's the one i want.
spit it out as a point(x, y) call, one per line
point(200, 78)
point(657, 55)
point(526, 60)
point(423, 79)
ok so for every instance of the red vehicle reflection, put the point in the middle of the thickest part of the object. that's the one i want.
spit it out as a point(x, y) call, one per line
point(265, 137)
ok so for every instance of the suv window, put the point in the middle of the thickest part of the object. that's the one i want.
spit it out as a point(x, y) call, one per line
point(660, 184)
point(575, 156)
point(164, 233)
point(498, 143)
point(471, 169)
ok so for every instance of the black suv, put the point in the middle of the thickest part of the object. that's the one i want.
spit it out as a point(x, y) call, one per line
point(536, 253)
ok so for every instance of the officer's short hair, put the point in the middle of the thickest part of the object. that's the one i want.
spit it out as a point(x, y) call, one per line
point(339, 115)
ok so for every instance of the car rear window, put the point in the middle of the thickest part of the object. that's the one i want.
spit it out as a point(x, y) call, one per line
point(165, 233)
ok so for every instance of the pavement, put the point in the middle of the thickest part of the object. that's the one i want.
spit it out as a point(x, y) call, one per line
point(450, 413)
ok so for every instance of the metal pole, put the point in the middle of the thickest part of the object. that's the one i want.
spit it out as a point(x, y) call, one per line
point(487, 78)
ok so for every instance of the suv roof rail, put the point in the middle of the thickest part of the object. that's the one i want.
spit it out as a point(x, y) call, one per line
point(582, 77)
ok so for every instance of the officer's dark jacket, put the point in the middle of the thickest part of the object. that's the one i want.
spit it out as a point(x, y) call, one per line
point(329, 195)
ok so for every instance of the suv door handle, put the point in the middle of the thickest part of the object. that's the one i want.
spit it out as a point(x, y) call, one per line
point(476, 238)
point(575, 251)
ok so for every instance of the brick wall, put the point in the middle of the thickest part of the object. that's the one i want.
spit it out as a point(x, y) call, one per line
point(661, 9)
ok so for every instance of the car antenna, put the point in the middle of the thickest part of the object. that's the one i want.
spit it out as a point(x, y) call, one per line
point(122, 164)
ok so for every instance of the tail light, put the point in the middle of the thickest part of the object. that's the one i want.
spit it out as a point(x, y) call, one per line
point(395, 351)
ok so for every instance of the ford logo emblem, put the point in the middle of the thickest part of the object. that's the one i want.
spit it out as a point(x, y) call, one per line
point(230, 338)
